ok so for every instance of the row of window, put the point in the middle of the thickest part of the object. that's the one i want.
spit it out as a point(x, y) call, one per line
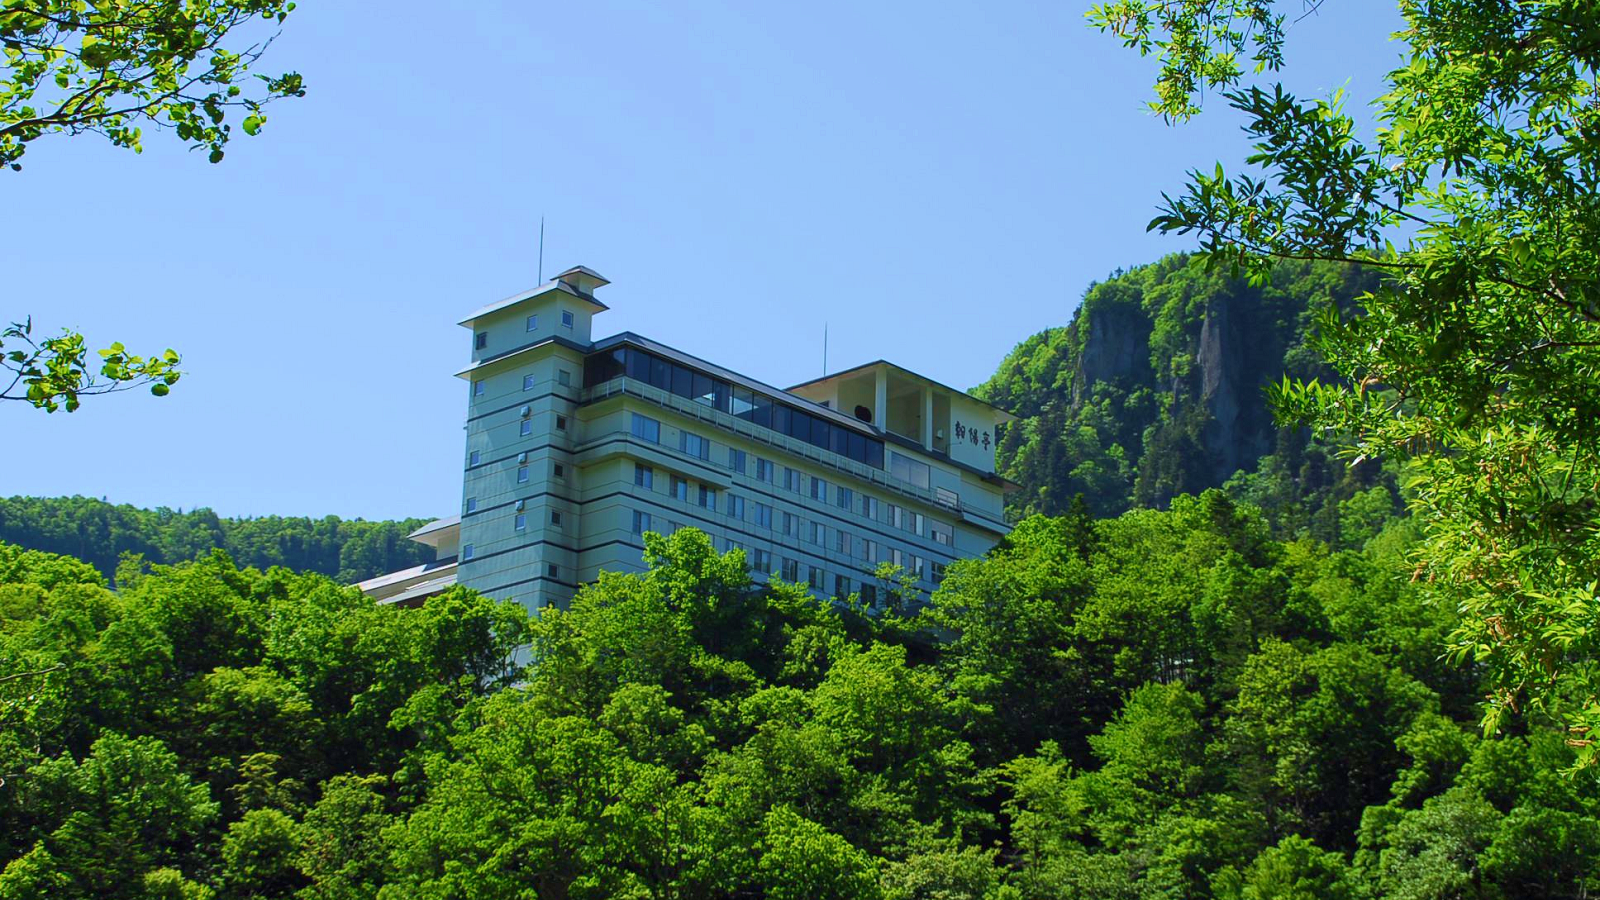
point(480, 341)
point(520, 521)
point(790, 525)
point(468, 551)
point(563, 378)
point(816, 577)
point(525, 429)
point(694, 445)
point(752, 406)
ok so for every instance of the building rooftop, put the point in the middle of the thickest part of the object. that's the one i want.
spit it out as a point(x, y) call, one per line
point(1005, 415)
point(577, 282)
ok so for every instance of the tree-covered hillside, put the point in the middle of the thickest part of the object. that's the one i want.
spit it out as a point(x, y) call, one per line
point(1155, 389)
point(99, 533)
point(1168, 704)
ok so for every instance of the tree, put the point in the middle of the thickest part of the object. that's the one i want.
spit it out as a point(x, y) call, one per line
point(74, 67)
point(1295, 869)
point(53, 373)
point(101, 825)
point(1476, 360)
point(108, 68)
point(804, 861)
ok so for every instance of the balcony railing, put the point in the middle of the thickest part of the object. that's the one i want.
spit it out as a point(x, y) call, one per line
point(730, 423)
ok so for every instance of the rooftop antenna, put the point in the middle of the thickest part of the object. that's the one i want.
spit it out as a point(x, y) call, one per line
point(541, 250)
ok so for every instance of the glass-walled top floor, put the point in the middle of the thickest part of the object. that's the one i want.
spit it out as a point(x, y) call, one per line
point(754, 407)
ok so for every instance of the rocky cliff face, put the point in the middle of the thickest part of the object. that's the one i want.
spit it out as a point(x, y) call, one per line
point(1116, 347)
point(1236, 433)
point(1156, 387)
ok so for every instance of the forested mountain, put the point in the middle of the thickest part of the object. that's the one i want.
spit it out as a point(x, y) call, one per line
point(1168, 704)
point(1155, 389)
point(99, 533)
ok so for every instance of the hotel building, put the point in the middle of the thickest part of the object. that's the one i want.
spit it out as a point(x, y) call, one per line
point(576, 447)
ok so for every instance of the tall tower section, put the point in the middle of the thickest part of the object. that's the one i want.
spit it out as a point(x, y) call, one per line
point(521, 515)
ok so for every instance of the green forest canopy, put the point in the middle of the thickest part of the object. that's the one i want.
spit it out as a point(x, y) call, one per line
point(99, 533)
point(1164, 704)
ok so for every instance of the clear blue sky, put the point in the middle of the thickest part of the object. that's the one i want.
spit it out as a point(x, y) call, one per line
point(935, 182)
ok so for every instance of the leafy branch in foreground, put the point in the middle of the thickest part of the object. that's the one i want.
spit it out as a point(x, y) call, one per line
point(106, 67)
point(1478, 361)
point(54, 373)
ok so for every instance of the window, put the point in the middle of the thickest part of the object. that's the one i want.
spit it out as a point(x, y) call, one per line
point(791, 480)
point(914, 522)
point(736, 460)
point(938, 572)
point(764, 470)
point(563, 377)
point(791, 524)
point(897, 516)
point(566, 319)
point(842, 542)
point(644, 476)
point(680, 489)
point(869, 550)
point(672, 527)
point(561, 423)
point(761, 561)
point(466, 551)
point(646, 429)
point(520, 521)
point(819, 489)
point(729, 545)
point(553, 570)
point(869, 507)
point(791, 569)
point(841, 585)
point(869, 594)
point(708, 391)
point(472, 504)
point(897, 557)
point(522, 474)
point(478, 388)
point(763, 515)
point(641, 522)
point(560, 471)
point(814, 577)
point(555, 518)
point(844, 498)
point(480, 340)
point(708, 497)
point(694, 445)
point(473, 457)
point(527, 382)
point(907, 469)
point(915, 565)
point(527, 427)
point(736, 507)
point(817, 534)
point(533, 323)
point(743, 403)
point(941, 533)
